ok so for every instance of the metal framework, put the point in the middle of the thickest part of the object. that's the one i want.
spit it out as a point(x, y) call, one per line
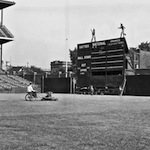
point(5, 34)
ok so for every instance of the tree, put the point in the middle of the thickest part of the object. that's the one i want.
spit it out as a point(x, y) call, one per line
point(144, 46)
point(36, 69)
point(73, 58)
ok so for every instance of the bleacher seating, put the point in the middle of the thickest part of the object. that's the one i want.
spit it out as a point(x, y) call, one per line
point(10, 82)
point(22, 81)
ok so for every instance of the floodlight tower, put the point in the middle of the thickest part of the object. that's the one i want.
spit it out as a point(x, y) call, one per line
point(5, 34)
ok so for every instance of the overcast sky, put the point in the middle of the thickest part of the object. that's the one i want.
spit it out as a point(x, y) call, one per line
point(41, 27)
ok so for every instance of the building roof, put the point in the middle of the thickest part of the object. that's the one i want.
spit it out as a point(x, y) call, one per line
point(15, 69)
point(4, 4)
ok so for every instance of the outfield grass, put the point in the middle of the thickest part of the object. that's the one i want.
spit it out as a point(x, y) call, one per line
point(75, 122)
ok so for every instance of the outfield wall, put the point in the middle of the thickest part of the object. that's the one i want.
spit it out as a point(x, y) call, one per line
point(138, 85)
point(57, 85)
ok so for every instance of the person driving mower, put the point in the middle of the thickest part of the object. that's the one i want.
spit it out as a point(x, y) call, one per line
point(31, 91)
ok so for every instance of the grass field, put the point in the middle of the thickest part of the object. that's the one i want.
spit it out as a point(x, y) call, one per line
point(75, 122)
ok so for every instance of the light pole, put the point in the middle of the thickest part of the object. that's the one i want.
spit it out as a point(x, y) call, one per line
point(67, 36)
point(66, 63)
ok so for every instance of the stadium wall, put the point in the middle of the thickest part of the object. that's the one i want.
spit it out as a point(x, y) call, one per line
point(138, 85)
point(58, 85)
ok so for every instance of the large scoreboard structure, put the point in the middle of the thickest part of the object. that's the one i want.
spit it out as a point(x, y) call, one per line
point(99, 60)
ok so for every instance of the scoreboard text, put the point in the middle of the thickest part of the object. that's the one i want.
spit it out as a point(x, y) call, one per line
point(102, 57)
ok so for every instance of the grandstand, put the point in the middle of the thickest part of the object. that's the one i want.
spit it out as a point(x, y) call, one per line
point(8, 83)
point(12, 83)
point(5, 34)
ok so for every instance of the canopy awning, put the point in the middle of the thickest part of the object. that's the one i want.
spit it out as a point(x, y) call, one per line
point(5, 40)
point(4, 4)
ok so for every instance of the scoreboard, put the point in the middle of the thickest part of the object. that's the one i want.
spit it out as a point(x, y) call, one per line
point(102, 57)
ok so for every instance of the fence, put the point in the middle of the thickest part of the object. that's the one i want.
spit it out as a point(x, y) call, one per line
point(138, 85)
point(58, 85)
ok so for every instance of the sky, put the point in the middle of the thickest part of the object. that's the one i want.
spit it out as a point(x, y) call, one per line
point(45, 30)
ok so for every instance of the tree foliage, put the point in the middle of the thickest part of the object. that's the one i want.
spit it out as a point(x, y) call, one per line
point(37, 70)
point(144, 46)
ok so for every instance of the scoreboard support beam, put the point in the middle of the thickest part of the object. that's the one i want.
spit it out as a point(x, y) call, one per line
point(123, 88)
